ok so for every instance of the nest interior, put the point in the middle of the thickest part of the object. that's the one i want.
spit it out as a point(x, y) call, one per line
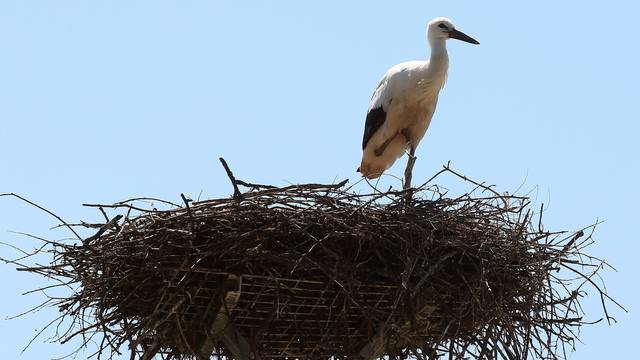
point(318, 271)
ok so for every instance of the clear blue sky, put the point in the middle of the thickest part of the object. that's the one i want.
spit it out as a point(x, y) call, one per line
point(105, 100)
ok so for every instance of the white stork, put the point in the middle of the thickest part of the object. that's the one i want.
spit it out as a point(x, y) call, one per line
point(403, 104)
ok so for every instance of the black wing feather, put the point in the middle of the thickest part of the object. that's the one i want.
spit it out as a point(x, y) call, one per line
point(375, 119)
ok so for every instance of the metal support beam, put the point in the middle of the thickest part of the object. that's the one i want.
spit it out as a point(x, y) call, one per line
point(374, 349)
point(236, 344)
point(221, 324)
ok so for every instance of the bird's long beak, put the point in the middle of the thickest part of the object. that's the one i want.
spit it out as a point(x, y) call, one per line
point(455, 34)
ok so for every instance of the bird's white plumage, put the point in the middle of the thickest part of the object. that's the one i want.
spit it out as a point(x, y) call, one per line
point(407, 94)
point(399, 79)
point(408, 97)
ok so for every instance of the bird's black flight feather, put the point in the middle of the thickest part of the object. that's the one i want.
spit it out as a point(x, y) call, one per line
point(375, 119)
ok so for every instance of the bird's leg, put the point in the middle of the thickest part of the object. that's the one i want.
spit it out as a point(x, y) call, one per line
point(380, 149)
point(407, 136)
point(408, 172)
point(410, 162)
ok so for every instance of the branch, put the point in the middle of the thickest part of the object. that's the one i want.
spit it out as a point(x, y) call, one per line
point(236, 191)
point(45, 210)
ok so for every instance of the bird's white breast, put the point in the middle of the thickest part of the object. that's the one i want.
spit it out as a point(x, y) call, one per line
point(415, 97)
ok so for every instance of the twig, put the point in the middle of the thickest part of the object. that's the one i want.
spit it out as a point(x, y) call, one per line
point(45, 210)
point(236, 191)
point(113, 222)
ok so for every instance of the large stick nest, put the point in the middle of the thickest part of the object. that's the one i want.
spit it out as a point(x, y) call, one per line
point(315, 271)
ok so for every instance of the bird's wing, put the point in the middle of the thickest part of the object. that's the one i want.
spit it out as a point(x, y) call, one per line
point(375, 119)
point(395, 81)
point(377, 112)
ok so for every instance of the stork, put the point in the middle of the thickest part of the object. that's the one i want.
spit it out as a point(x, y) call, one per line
point(403, 104)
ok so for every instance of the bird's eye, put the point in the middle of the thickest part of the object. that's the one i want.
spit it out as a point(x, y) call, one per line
point(443, 26)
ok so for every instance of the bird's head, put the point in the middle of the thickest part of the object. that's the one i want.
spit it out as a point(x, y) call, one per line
point(443, 28)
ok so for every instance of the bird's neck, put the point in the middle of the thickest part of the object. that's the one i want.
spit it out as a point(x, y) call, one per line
point(438, 51)
point(439, 59)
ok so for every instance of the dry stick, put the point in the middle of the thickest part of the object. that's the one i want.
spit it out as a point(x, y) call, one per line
point(481, 185)
point(186, 203)
point(236, 191)
point(256, 186)
point(127, 203)
point(45, 210)
point(103, 228)
point(445, 168)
